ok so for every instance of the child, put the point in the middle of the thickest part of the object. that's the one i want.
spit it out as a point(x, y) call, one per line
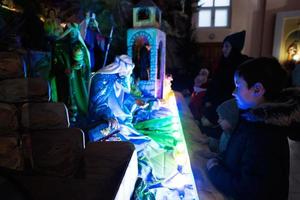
point(255, 164)
point(228, 118)
point(200, 85)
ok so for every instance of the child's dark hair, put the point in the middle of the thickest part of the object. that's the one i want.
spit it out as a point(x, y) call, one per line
point(266, 71)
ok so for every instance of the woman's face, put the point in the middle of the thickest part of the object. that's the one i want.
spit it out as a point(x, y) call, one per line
point(226, 49)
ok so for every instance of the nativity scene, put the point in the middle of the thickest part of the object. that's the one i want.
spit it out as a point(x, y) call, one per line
point(144, 99)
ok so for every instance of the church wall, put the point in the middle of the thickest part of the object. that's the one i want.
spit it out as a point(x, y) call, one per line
point(257, 17)
point(272, 7)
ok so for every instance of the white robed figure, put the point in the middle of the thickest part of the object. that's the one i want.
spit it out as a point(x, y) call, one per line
point(111, 107)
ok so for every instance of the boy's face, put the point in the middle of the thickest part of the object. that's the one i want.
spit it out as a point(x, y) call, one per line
point(245, 97)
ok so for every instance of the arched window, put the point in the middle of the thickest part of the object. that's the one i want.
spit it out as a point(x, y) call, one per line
point(214, 13)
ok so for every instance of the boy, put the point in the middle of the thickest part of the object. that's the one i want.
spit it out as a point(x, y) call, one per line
point(256, 162)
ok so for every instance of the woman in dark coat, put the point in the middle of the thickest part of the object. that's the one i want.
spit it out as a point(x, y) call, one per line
point(222, 85)
point(256, 163)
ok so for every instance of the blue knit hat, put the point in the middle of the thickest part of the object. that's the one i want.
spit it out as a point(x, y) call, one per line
point(229, 111)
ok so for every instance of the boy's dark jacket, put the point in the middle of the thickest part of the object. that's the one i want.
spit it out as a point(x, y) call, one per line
point(256, 163)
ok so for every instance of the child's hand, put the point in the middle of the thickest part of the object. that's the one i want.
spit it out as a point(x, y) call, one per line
point(205, 122)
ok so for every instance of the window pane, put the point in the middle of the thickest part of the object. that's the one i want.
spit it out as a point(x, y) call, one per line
point(222, 3)
point(205, 3)
point(221, 17)
point(204, 18)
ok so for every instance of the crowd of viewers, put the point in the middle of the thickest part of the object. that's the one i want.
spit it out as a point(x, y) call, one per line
point(222, 80)
point(255, 164)
point(248, 133)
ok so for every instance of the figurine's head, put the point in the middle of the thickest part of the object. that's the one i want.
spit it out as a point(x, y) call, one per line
point(72, 30)
point(122, 66)
point(125, 64)
point(147, 46)
point(51, 13)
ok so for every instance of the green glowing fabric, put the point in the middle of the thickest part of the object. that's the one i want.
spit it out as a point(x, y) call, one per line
point(142, 192)
point(161, 130)
point(77, 78)
point(164, 131)
point(53, 90)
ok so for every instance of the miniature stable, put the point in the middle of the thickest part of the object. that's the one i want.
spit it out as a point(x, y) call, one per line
point(172, 167)
point(145, 31)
